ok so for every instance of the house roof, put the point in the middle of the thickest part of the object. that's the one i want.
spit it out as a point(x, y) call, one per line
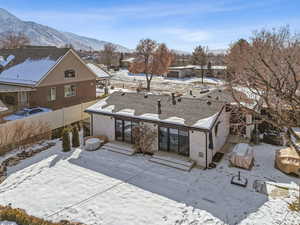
point(190, 112)
point(98, 71)
point(27, 65)
point(13, 88)
point(196, 67)
point(222, 95)
point(2, 107)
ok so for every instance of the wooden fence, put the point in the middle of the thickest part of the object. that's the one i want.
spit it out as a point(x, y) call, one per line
point(54, 119)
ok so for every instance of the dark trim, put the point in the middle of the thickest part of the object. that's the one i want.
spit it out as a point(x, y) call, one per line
point(147, 120)
point(18, 84)
point(92, 125)
point(168, 143)
point(123, 129)
point(214, 123)
point(205, 150)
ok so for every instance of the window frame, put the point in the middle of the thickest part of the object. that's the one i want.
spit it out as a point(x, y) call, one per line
point(179, 131)
point(68, 72)
point(50, 94)
point(75, 90)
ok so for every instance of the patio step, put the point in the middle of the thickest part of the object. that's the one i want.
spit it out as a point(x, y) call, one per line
point(174, 160)
point(174, 163)
point(119, 149)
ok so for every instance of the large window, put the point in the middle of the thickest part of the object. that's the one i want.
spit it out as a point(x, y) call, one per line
point(123, 130)
point(52, 94)
point(174, 140)
point(70, 90)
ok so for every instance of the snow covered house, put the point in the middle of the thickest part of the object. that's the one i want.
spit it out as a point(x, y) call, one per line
point(193, 127)
point(45, 76)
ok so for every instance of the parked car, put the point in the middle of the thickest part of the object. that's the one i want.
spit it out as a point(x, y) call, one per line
point(26, 112)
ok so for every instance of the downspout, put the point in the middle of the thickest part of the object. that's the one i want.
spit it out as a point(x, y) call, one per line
point(92, 125)
point(205, 150)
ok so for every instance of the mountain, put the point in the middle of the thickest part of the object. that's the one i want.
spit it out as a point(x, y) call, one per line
point(44, 35)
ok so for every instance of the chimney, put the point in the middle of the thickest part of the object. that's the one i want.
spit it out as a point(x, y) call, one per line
point(173, 99)
point(158, 107)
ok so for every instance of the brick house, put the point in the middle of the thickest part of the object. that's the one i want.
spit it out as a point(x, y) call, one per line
point(45, 76)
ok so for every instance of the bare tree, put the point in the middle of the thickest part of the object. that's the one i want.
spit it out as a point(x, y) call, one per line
point(152, 59)
point(267, 68)
point(10, 40)
point(200, 57)
point(108, 54)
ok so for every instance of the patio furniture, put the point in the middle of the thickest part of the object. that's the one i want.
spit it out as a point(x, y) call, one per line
point(238, 180)
point(93, 144)
point(242, 156)
point(288, 161)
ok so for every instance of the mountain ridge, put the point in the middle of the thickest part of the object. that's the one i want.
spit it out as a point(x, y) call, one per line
point(39, 34)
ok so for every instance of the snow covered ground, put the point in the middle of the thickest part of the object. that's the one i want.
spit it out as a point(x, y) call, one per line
point(125, 75)
point(7, 223)
point(109, 188)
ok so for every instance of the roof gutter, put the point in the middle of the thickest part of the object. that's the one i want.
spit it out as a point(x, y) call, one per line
point(144, 119)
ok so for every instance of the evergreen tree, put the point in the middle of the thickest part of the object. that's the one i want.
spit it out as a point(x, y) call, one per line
point(66, 140)
point(75, 137)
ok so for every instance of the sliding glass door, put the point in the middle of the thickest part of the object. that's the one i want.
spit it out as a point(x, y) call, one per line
point(174, 140)
point(123, 130)
point(119, 130)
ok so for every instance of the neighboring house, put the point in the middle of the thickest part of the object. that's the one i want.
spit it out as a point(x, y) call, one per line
point(193, 127)
point(37, 76)
point(241, 124)
point(3, 107)
point(194, 70)
point(126, 62)
point(102, 76)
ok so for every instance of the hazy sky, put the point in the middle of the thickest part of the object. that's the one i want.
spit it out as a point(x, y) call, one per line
point(180, 24)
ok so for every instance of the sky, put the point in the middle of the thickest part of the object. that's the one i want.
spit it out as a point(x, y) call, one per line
point(182, 25)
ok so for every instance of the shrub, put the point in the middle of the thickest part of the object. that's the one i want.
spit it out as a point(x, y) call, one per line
point(22, 218)
point(66, 140)
point(143, 139)
point(75, 137)
point(295, 206)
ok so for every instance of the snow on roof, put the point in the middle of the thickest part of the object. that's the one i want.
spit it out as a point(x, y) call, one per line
point(4, 62)
point(2, 107)
point(194, 113)
point(28, 72)
point(127, 112)
point(206, 123)
point(98, 71)
point(28, 65)
point(197, 67)
point(128, 60)
point(175, 120)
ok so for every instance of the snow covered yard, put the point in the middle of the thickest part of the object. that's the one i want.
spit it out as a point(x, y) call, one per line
point(109, 188)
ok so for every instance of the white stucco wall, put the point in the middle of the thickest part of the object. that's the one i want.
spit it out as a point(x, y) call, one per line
point(104, 125)
point(198, 147)
point(220, 138)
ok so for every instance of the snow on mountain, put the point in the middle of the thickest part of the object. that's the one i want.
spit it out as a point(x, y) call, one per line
point(44, 35)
